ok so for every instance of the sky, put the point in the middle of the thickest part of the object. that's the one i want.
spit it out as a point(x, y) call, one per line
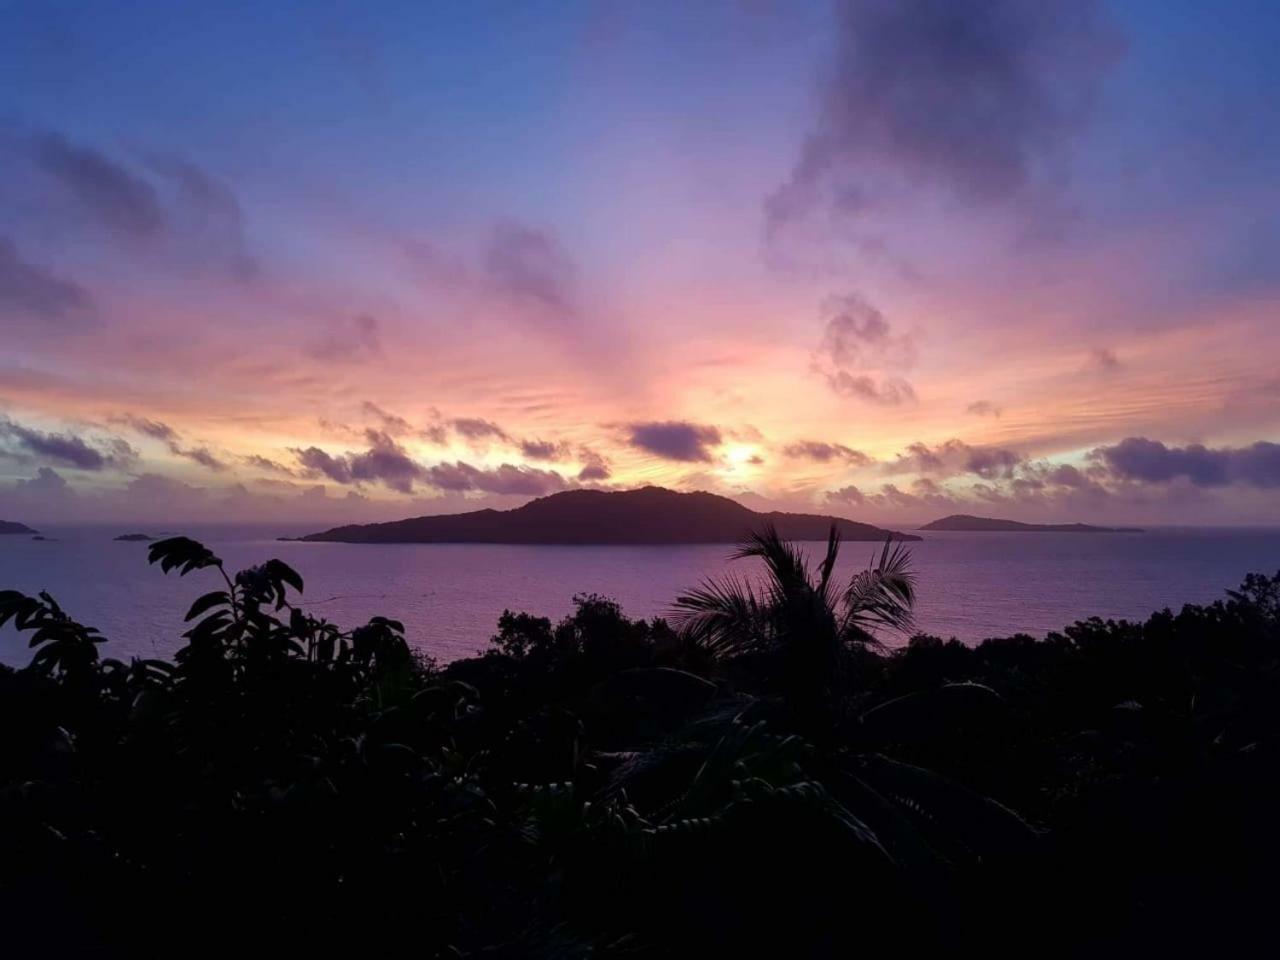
point(887, 259)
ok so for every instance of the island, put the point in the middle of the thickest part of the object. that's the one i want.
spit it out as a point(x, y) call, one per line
point(134, 538)
point(8, 526)
point(648, 516)
point(969, 524)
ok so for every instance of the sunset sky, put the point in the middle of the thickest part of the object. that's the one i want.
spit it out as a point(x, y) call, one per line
point(891, 260)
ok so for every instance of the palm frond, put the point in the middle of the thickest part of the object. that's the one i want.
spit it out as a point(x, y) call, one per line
point(883, 595)
point(788, 569)
point(829, 563)
point(724, 616)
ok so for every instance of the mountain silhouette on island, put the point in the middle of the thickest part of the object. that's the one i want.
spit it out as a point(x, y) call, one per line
point(8, 526)
point(962, 521)
point(650, 515)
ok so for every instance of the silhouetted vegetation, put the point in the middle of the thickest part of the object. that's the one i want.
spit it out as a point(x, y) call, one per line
point(763, 778)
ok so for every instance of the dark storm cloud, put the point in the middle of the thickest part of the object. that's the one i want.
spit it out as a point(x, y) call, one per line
point(34, 290)
point(529, 264)
point(675, 440)
point(983, 408)
point(825, 452)
point(506, 479)
point(112, 195)
point(967, 97)
point(1150, 461)
point(67, 449)
point(858, 340)
point(356, 340)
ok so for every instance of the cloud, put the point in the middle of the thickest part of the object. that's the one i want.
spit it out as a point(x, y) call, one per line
point(850, 495)
point(545, 449)
point(317, 461)
point(67, 449)
point(147, 427)
point(675, 440)
point(34, 291)
point(889, 392)
point(475, 429)
point(975, 100)
point(391, 423)
point(168, 436)
point(856, 341)
point(506, 479)
point(202, 456)
point(857, 336)
point(1150, 461)
point(357, 340)
point(983, 408)
point(1104, 360)
point(116, 198)
point(385, 462)
point(595, 468)
point(267, 464)
point(212, 212)
point(956, 457)
point(826, 452)
point(528, 264)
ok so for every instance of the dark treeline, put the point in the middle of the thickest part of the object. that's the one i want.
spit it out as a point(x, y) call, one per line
point(761, 778)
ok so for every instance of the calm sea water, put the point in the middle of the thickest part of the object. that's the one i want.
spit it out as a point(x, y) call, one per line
point(450, 596)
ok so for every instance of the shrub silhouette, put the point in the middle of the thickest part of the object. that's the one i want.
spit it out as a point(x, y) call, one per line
point(613, 787)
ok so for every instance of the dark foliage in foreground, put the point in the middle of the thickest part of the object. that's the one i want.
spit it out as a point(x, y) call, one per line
point(767, 780)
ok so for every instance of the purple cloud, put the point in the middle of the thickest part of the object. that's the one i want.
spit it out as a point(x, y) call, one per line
point(115, 197)
point(67, 449)
point(529, 264)
point(675, 440)
point(857, 340)
point(850, 495)
point(1150, 461)
point(506, 479)
point(544, 449)
point(34, 291)
point(474, 429)
point(826, 452)
point(973, 99)
point(956, 457)
point(983, 408)
point(357, 340)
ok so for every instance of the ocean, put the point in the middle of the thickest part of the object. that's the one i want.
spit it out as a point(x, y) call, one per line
point(449, 596)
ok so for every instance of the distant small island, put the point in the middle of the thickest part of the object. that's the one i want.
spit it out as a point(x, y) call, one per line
point(8, 526)
point(964, 522)
point(650, 515)
point(134, 538)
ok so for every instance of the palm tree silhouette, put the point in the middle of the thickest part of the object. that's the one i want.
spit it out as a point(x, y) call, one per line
point(811, 621)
